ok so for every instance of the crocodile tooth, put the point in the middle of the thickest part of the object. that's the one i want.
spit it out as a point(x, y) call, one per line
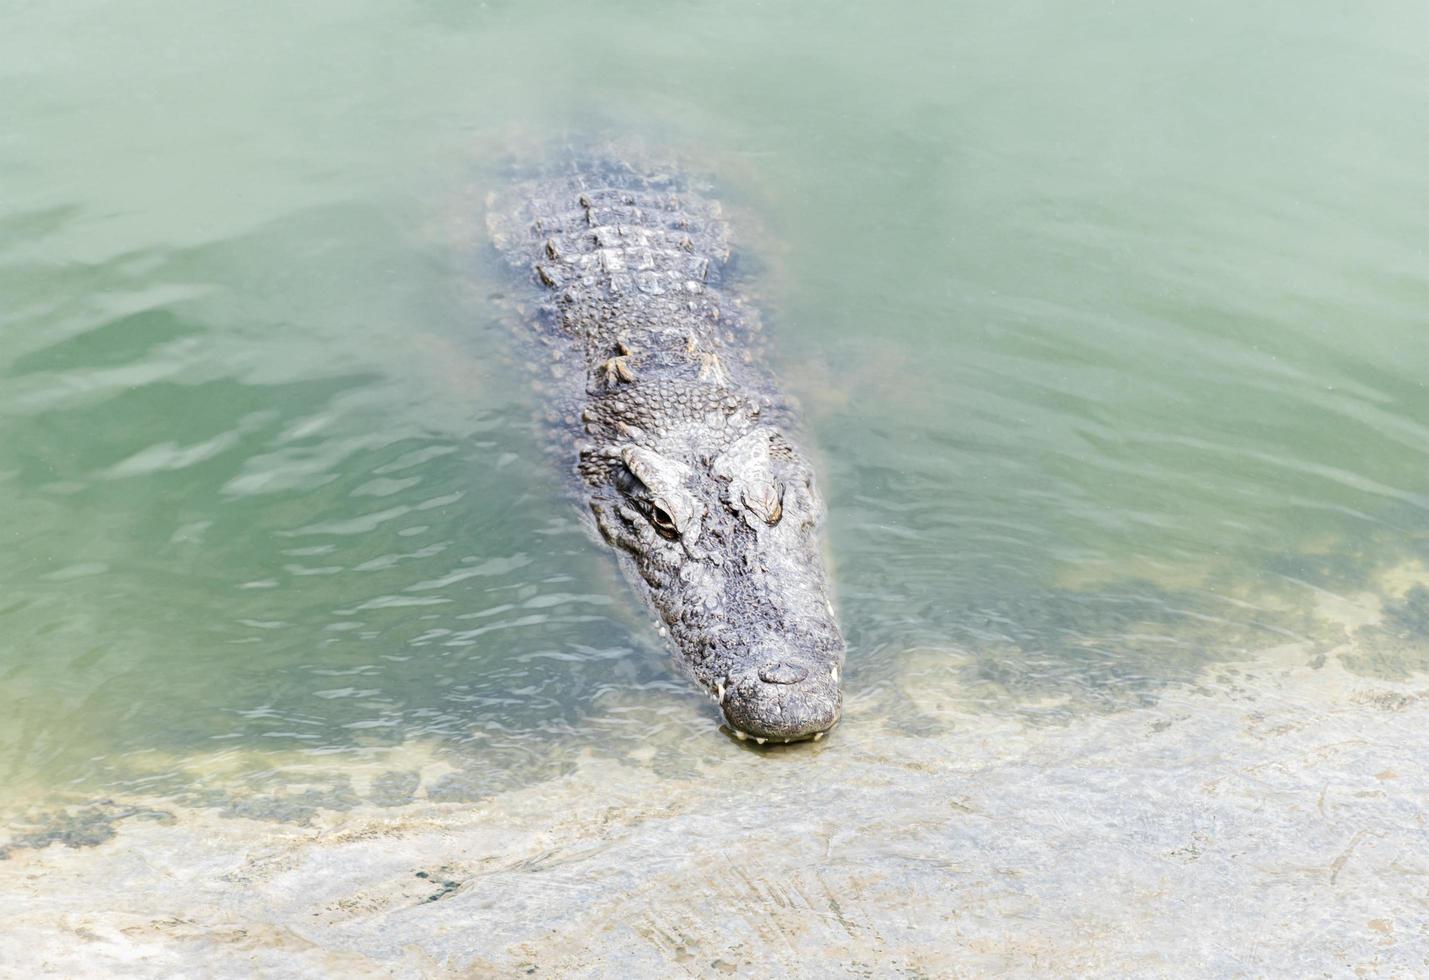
point(740, 735)
point(761, 741)
point(818, 736)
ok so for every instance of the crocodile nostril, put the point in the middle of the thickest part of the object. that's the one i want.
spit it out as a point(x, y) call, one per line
point(782, 672)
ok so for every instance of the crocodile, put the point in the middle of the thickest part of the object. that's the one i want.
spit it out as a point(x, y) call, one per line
point(682, 448)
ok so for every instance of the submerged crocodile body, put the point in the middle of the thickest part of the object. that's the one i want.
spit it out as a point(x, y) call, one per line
point(684, 449)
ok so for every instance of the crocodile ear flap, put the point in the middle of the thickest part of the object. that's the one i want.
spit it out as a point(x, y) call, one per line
point(666, 480)
point(748, 465)
point(658, 473)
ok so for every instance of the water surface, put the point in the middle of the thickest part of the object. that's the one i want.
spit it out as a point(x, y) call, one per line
point(1109, 323)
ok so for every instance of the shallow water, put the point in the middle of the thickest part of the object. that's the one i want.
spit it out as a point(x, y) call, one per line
point(1109, 324)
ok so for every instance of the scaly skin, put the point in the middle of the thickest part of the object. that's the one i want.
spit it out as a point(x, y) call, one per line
point(684, 449)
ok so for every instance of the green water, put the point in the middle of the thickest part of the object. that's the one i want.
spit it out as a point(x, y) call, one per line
point(1109, 321)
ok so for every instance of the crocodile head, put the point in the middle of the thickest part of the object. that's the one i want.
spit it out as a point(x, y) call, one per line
point(725, 544)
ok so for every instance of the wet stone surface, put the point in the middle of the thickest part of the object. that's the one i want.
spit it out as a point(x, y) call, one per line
point(1270, 818)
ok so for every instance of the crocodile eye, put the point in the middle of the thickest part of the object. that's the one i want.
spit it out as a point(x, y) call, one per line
point(663, 523)
point(776, 512)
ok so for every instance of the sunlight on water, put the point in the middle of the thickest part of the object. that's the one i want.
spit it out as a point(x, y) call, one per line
point(1108, 323)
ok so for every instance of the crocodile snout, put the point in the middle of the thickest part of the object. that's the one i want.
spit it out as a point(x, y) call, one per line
point(783, 700)
point(783, 672)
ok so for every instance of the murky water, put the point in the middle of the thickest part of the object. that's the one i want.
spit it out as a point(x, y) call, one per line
point(1109, 322)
